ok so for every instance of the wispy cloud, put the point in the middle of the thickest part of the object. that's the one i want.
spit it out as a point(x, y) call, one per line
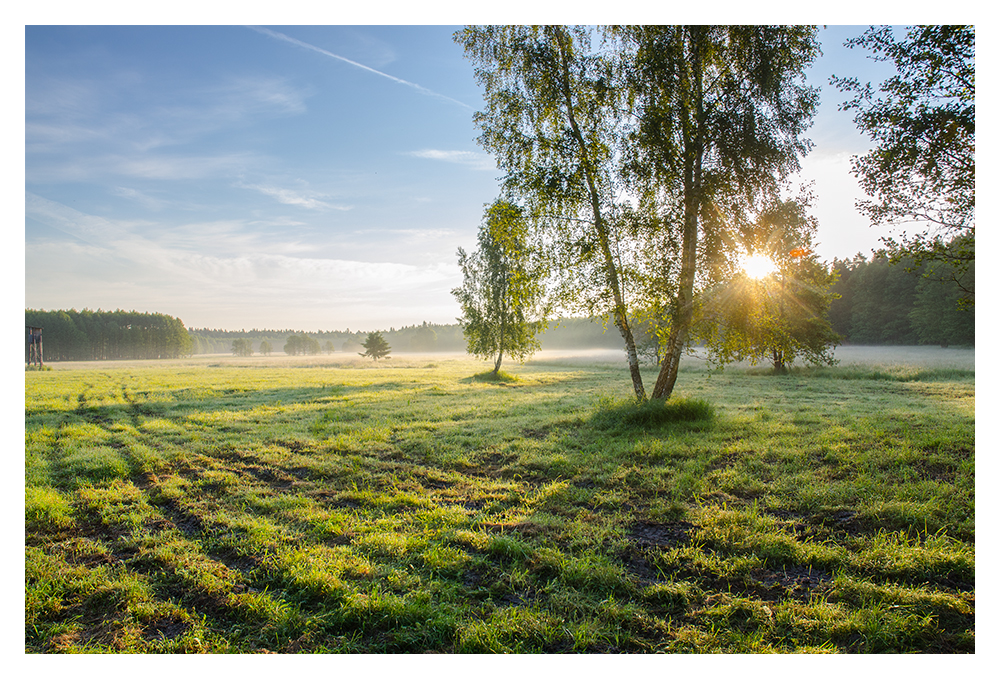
point(419, 88)
point(290, 197)
point(477, 161)
point(211, 266)
point(139, 166)
point(89, 117)
point(143, 199)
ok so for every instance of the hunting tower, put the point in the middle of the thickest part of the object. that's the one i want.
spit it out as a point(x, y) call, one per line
point(34, 345)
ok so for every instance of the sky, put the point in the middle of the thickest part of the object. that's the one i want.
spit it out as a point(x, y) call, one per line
point(309, 177)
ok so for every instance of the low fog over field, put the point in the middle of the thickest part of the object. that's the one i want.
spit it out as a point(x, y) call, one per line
point(868, 356)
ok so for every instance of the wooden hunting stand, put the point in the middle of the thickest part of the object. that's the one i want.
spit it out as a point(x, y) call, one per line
point(34, 346)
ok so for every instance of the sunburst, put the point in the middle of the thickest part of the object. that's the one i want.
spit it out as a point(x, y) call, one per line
point(758, 266)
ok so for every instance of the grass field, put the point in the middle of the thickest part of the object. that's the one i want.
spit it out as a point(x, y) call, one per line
point(330, 505)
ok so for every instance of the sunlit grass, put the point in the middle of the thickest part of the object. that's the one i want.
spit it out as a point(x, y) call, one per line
point(415, 507)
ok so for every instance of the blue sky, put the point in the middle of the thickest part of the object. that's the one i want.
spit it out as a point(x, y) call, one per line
point(304, 177)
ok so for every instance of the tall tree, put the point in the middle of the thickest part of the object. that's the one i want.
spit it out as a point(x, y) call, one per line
point(923, 122)
point(720, 114)
point(501, 294)
point(551, 119)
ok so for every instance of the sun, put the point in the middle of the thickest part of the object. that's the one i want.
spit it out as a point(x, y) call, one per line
point(758, 266)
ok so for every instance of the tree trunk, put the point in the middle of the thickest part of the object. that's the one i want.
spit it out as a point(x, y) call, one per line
point(620, 310)
point(693, 125)
point(682, 313)
point(778, 359)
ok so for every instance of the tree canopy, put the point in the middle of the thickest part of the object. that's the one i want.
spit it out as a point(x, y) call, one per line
point(779, 316)
point(301, 344)
point(97, 335)
point(720, 114)
point(242, 347)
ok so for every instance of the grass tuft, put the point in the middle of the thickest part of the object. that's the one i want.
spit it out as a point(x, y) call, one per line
point(500, 377)
point(627, 413)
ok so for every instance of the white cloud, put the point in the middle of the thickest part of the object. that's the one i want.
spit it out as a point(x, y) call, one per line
point(477, 161)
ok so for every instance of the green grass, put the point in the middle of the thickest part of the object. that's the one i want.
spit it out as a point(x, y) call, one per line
point(269, 506)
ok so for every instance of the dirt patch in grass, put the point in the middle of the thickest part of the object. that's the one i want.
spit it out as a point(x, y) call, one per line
point(796, 582)
point(165, 628)
point(647, 534)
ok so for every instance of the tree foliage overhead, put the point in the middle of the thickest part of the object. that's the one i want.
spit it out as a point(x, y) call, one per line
point(923, 122)
point(501, 293)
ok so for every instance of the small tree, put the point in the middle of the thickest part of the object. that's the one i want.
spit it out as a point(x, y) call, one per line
point(328, 346)
point(502, 289)
point(242, 347)
point(375, 346)
point(780, 316)
point(265, 348)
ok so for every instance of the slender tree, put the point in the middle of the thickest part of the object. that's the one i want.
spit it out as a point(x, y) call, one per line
point(502, 290)
point(551, 118)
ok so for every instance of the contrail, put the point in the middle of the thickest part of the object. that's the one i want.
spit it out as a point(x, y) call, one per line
point(419, 88)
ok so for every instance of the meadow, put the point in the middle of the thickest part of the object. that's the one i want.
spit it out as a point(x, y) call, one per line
point(334, 505)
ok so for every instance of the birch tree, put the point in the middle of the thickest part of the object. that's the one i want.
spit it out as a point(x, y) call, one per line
point(551, 119)
point(720, 112)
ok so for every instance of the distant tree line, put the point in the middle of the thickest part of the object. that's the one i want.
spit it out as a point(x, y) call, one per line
point(904, 303)
point(563, 333)
point(422, 337)
point(100, 335)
